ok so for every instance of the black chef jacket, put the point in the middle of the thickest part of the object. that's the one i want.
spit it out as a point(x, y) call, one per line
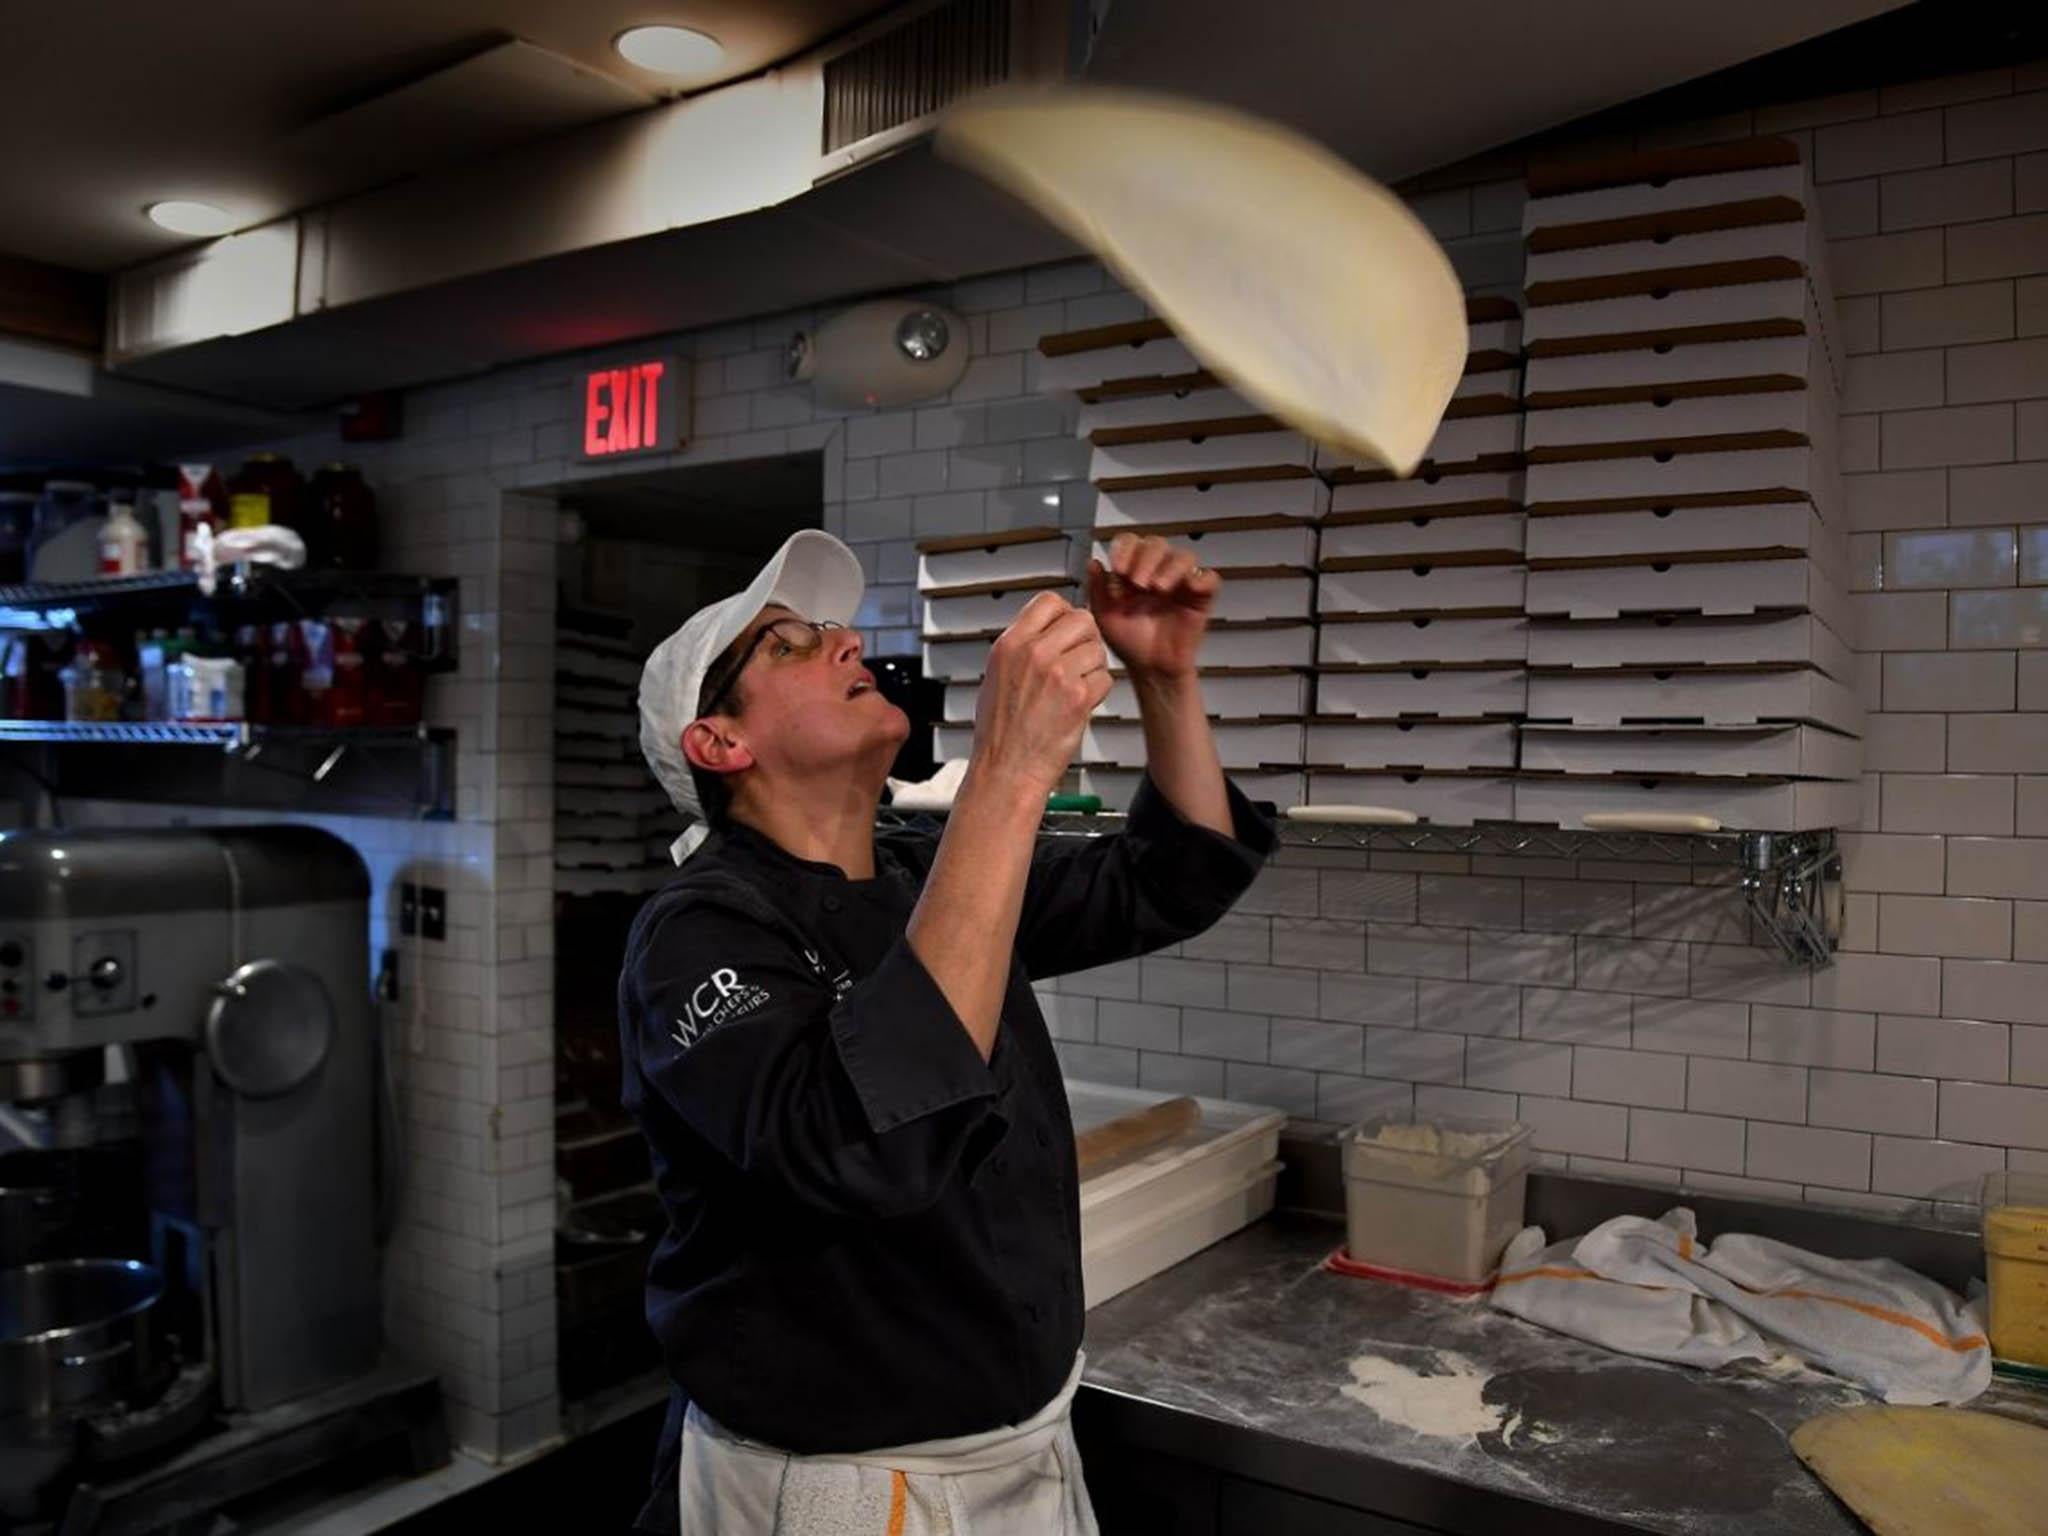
point(874, 1236)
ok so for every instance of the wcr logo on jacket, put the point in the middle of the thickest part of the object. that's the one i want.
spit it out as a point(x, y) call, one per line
point(717, 1000)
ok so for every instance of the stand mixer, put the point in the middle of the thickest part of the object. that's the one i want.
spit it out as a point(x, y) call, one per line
point(229, 968)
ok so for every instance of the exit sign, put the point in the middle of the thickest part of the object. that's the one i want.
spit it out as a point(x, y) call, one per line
point(632, 408)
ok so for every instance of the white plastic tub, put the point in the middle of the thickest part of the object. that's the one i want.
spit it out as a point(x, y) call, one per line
point(1437, 1197)
point(1145, 1215)
point(1129, 1256)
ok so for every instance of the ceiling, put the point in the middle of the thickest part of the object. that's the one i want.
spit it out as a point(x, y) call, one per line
point(283, 122)
point(1400, 89)
point(106, 107)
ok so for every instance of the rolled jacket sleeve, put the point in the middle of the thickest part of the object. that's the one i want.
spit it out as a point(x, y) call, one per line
point(856, 1097)
point(1092, 901)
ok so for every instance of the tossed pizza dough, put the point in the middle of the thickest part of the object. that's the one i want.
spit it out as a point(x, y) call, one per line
point(1300, 282)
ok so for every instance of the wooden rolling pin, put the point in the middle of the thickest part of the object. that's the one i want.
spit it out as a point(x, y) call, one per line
point(1128, 1136)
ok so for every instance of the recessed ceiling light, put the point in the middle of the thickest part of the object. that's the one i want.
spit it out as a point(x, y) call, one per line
point(184, 217)
point(670, 50)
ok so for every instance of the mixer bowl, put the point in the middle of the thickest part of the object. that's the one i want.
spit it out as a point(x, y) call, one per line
point(75, 1334)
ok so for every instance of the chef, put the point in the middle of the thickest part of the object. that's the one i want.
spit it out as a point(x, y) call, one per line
point(869, 1291)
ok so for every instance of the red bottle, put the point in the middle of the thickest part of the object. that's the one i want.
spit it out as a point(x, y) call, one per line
point(348, 702)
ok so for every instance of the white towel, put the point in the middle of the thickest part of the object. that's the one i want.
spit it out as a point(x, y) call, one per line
point(936, 793)
point(1652, 1288)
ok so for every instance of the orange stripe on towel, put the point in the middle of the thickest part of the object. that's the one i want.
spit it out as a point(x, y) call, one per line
point(1928, 1331)
point(1932, 1334)
point(899, 1494)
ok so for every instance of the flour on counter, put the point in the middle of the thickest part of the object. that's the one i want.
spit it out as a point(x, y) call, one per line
point(1443, 1401)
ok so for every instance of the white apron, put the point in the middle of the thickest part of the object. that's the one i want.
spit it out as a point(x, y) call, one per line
point(1023, 1480)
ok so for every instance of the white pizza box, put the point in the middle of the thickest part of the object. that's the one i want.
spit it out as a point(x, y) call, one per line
point(1423, 588)
point(1263, 597)
point(1202, 453)
point(1785, 301)
point(1432, 490)
point(1672, 479)
point(1270, 545)
point(1673, 334)
point(1768, 528)
point(1500, 334)
point(1239, 743)
point(1708, 695)
point(1281, 496)
point(1782, 752)
point(1272, 644)
point(609, 768)
point(1784, 184)
point(1738, 805)
point(1113, 354)
point(1116, 787)
point(618, 722)
point(645, 802)
point(1789, 362)
point(1492, 540)
point(1680, 586)
point(1448, 799)
point(1228, 1141)
point(960, 700)
point(1425, 639)
point(1411, 744)
point(1780, 418)
point(946, 660)
point(1132, 1254)
point(1019, 554)
point(1167, 410)
point(1232, 695)
point(1455, 693)
point(1789, 239)
point(1792, 639)
point(1491, 440)
point(965, 611)
point(1487, 386)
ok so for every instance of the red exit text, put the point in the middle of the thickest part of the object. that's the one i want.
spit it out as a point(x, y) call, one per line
point(627, 410)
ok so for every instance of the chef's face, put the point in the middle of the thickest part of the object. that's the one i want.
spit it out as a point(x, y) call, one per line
point(801, 702)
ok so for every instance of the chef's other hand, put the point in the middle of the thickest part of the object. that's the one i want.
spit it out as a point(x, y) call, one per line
point(1152, 602)
point(1046, 674)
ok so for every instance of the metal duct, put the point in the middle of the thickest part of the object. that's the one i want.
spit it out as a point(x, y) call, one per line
point(915, 69)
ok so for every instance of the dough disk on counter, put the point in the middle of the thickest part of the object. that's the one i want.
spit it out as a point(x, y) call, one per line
point(1303, 284)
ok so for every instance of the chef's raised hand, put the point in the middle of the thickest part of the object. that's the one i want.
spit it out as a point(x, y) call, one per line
point(1152, 602)
point(1046, 674)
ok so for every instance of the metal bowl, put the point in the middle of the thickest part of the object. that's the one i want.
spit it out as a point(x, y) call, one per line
point(75, 1333)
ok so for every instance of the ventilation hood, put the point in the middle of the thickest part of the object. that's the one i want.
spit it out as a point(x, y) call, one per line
point(810, 183)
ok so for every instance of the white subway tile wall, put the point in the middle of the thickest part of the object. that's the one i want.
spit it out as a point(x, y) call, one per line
point(1643, 1034)
point(1654, 1040)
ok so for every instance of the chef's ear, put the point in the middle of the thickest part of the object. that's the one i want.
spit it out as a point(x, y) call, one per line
point(714, 750)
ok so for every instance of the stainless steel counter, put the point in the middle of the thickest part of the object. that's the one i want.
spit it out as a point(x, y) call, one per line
point(1237, 1361)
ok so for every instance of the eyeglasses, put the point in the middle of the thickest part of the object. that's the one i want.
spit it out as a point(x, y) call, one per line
point(788, 640)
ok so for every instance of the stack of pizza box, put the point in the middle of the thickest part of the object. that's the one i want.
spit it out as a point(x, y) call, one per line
point(1420, 674)
point(1689, 644)
point(972, 587)
point(1177, 454)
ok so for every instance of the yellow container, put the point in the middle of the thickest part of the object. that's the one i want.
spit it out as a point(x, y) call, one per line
point(2016, 1264)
